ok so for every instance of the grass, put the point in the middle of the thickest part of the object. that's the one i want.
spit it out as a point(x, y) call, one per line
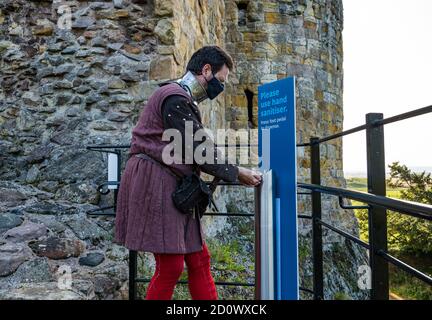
point(360, 184)
point(407, 286)
point(341, 296)
point(222, 256)
point(401, 283)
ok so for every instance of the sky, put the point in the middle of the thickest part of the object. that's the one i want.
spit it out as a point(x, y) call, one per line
point(388, 69)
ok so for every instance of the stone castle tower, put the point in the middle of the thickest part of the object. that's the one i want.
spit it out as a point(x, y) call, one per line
point(75, 73)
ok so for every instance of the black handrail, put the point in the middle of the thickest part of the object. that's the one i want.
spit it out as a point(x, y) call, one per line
point(416, 210)
point(127, 146)
point(376, 203)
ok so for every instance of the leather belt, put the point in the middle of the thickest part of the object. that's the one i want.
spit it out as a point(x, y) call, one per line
point(170, 170)
point(163, 166)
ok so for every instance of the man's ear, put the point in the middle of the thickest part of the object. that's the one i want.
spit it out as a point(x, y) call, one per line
point(206, 68)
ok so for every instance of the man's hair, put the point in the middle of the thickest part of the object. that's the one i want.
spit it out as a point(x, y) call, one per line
point(212, 55)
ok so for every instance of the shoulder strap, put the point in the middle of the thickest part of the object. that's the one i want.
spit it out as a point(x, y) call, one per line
point(214, 184)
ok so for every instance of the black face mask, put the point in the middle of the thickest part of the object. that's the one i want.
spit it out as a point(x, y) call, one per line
point(214, 87)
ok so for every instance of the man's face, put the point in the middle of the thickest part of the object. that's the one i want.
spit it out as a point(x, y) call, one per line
point(221, 75)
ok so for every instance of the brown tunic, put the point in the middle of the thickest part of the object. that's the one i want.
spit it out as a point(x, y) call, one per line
point(146, 218)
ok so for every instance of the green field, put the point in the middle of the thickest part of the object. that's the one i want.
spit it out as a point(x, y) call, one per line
point(402, 284)
point(360, 184)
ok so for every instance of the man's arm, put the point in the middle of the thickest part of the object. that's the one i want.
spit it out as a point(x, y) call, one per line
point(175, 112)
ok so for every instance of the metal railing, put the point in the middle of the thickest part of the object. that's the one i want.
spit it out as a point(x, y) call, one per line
point(376, 202)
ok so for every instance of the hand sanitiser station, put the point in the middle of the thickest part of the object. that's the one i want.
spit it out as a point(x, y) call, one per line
point(277, 154)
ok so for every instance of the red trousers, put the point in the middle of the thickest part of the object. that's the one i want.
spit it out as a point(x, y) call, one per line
point(169, 268)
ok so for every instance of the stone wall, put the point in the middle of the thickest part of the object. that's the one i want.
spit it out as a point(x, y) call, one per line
point(63, 89)
point(270, 40)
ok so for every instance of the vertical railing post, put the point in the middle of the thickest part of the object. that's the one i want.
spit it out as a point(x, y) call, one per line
point(317, 246)
point(258, 242)
point(133, 259)
point(377, 215)
point(118, 152)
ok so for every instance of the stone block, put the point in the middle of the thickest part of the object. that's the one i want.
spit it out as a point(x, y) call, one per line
point(162, 68)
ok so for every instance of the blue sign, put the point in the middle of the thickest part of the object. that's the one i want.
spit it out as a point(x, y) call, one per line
point(277, 152)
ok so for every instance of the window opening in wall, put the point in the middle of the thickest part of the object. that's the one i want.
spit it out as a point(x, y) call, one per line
point(242, 11)
point(249, 96)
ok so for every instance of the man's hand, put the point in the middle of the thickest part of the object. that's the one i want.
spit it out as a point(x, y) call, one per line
point(249, 177)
